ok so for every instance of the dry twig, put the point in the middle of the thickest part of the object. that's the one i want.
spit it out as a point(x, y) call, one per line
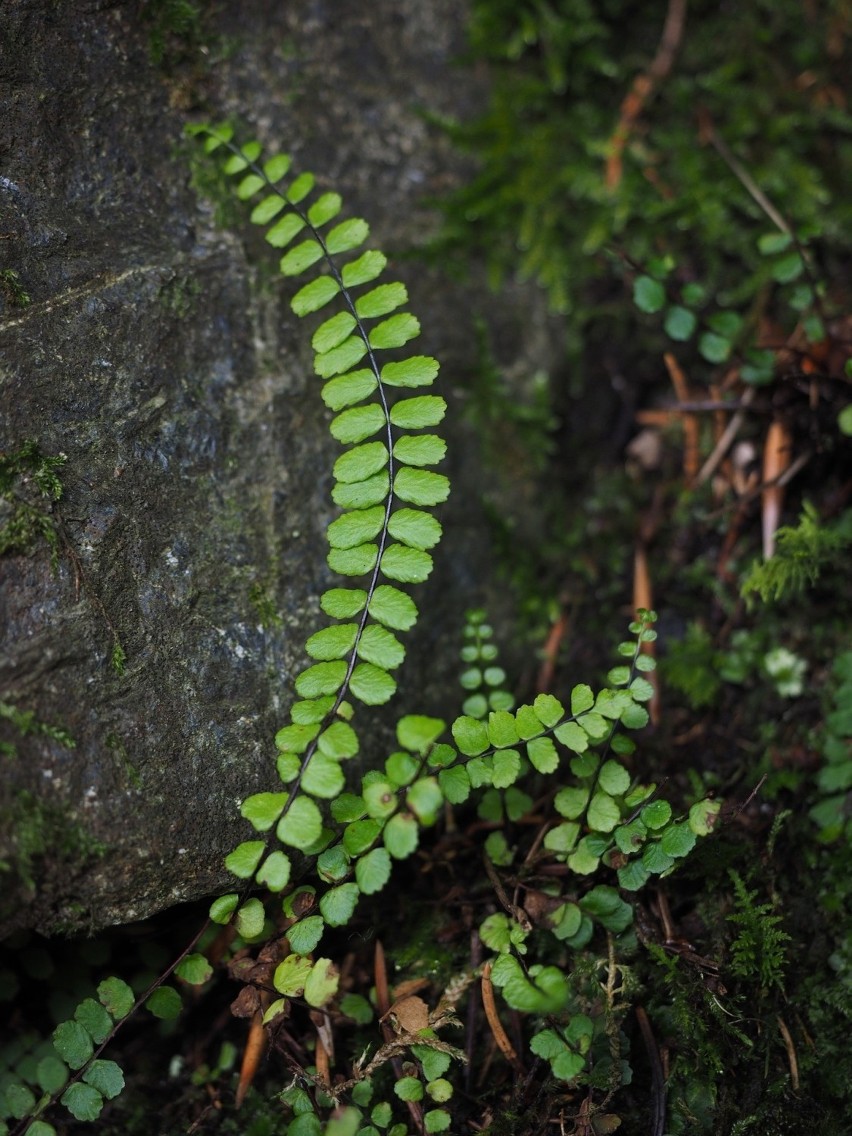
point(791, 1054)
point(776, 461)
point(500, 1036)
point(643, 87)
point(691, 449)
point(726, 440)
point(550, 652)
point(252, 1054)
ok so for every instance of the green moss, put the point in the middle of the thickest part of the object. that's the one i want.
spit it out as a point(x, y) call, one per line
point(422, 951)
point(803, 554)
point(175, 31)
point(211, 185)
point(178, 295)
point(117, 659)
point(40, 830)
point(29, 481)
point(116, 746)
point(263, 602)
point(26, 724)
point(12, 290)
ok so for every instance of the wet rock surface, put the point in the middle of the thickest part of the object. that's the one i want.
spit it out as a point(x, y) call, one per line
point(158, 354)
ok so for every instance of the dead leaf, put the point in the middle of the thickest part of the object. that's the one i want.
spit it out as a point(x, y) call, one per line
point(605, 1122)
point(246, 1004)
point(539, 906)
point(409, 1015)
point(273, 952)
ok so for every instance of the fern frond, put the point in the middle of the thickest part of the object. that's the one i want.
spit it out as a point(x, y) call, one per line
point(384, 486)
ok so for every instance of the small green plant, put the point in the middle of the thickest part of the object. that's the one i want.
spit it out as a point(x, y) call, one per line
point(175, 28)
point(802, 555)
point(26, 724)
point(833, 813)
point(786, 671)
point(29, 482)
point(692, 666)
point(607, 823)
point(12, 289)
point(67, 1069)
point(758, 950)
point(699, 669)
point(726, 332)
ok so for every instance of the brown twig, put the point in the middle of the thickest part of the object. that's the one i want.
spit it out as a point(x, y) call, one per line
point(664, 413)
point(791, 1054)
point(665, 916)
point(732, 535)
point(383, 1002)
point(643, 87)
point(323, 1061)
point(517, 913)
point(726, 440)
point(776, 461)
point(550, 652)
point(500, 1036)
point(691, 448)
point(252, 1054)
point(785, 478)
point(709, 133)
point(752, 794)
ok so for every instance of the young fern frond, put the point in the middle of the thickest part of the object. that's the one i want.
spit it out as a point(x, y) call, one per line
point(384, 487)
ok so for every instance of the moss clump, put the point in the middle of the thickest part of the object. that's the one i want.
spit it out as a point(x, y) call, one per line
point(174, 31)
point(12, 290)
point(263, 602)
point(25, 723)
point(29, 481)
point(179, 295)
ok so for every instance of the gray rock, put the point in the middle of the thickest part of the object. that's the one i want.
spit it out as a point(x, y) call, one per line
point(162, 360)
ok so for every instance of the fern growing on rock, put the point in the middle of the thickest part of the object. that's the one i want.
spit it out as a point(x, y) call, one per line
point(604, 832)
point(381, 542)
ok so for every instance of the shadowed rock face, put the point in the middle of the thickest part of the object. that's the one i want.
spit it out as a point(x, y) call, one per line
point(169, 372)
